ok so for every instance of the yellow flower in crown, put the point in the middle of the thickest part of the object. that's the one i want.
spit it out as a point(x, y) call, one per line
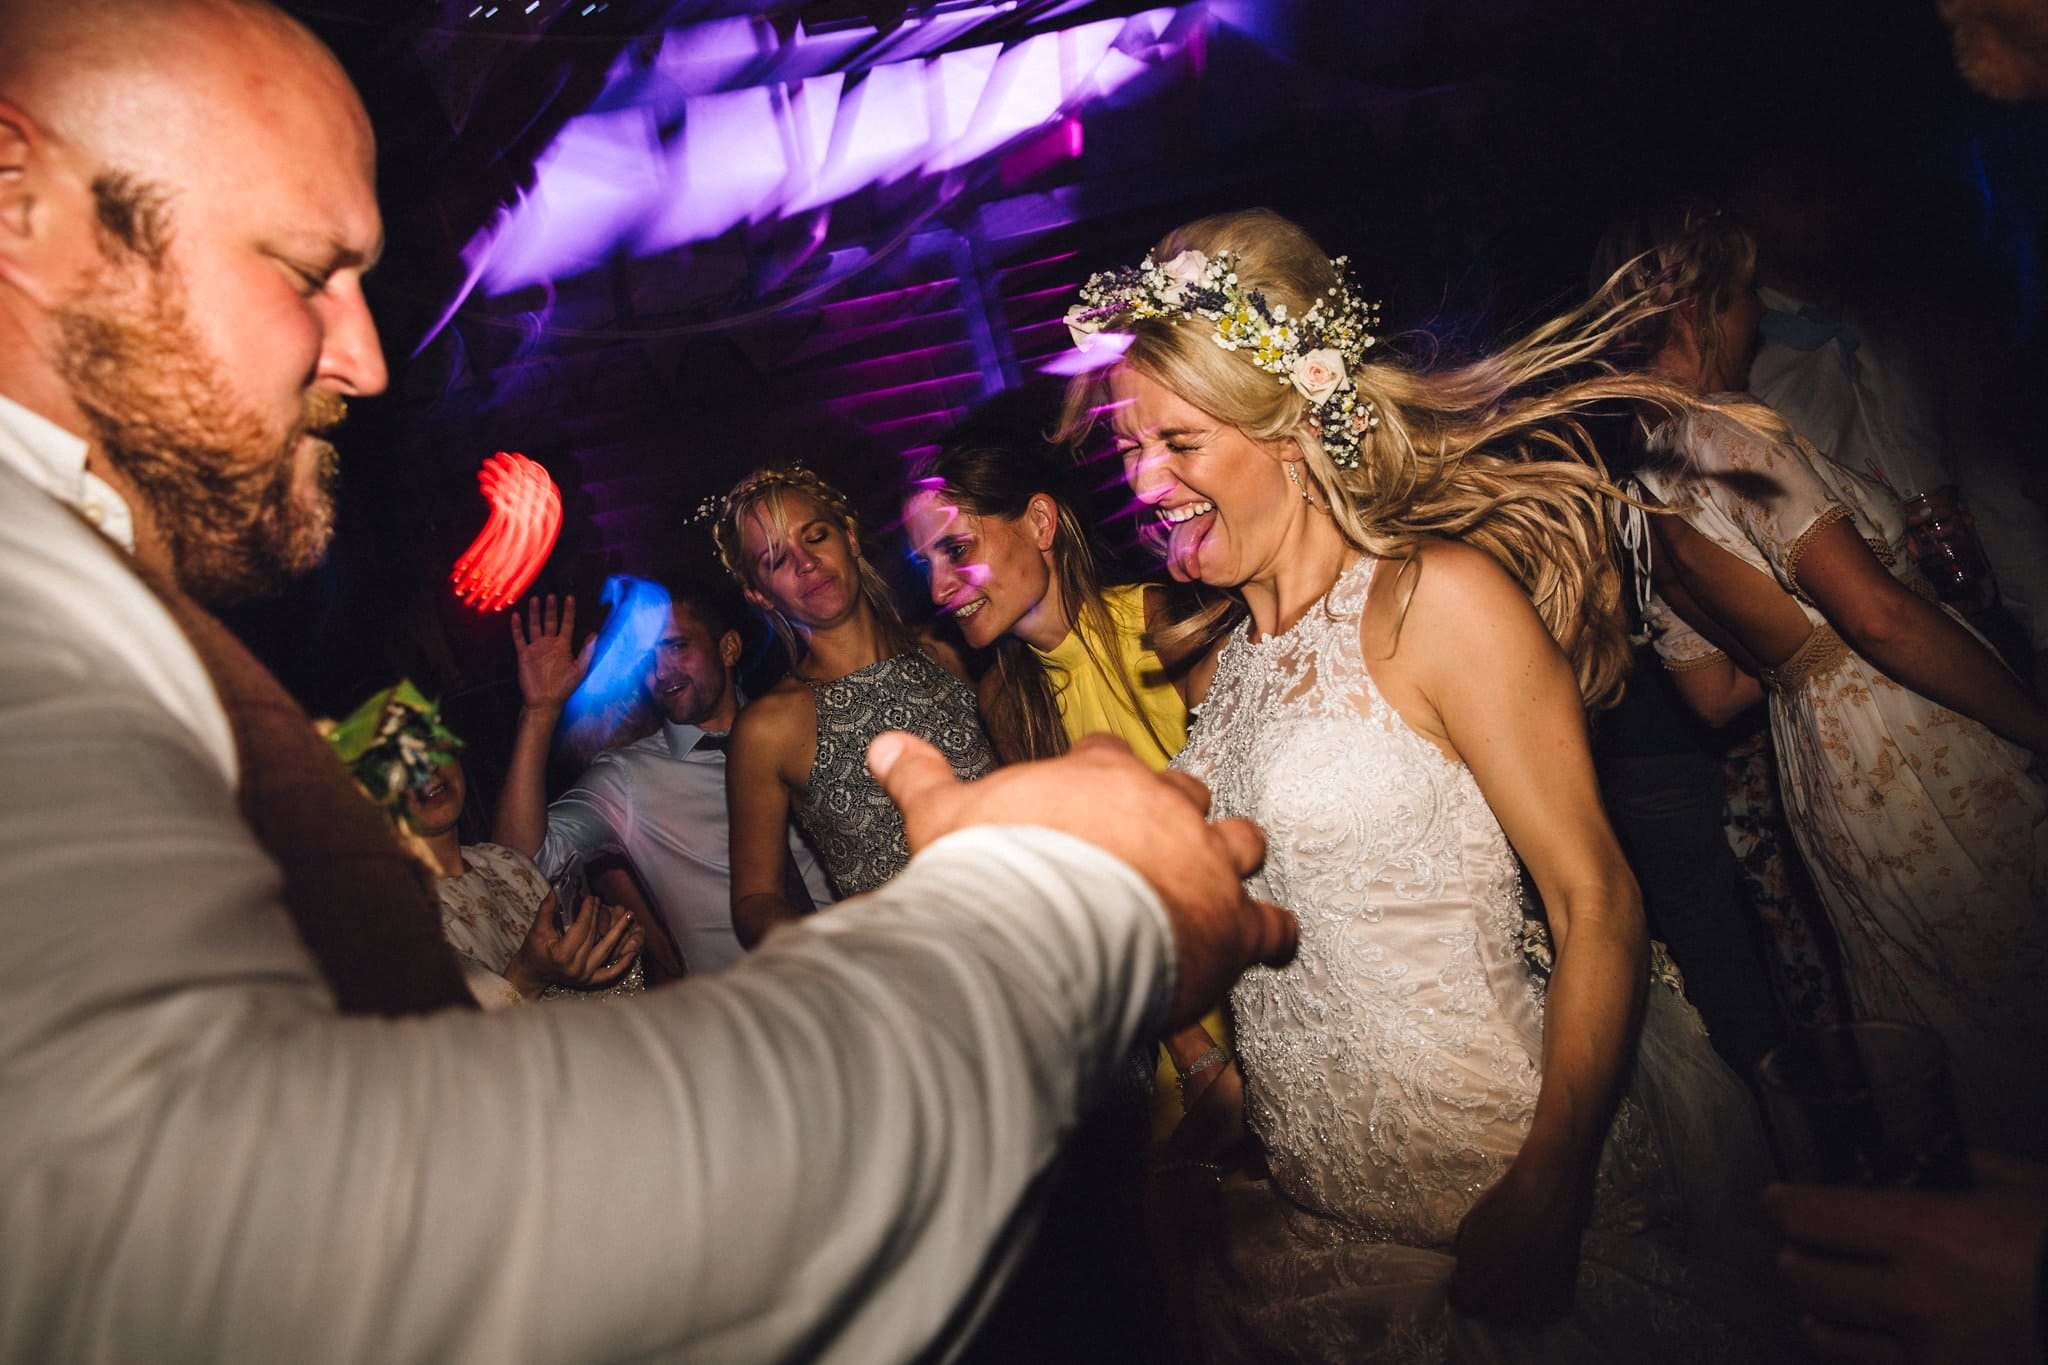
point(1315, 353)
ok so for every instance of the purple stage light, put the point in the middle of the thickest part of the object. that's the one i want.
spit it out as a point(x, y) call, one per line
point(957, 80)
point(774, 123)
point(881, 130)
point(1023, 91)
point(1101, 350)
point(592, 188)
point(714, 55)
point(730, 159)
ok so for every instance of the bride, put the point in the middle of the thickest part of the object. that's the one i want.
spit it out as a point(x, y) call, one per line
point(1474, 1154)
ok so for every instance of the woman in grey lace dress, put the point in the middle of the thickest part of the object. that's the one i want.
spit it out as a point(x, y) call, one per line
point(1483, 1143)
point(793, 543)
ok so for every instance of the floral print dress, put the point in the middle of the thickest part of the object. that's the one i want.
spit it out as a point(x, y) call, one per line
point(487, 910)
point(1926, 837)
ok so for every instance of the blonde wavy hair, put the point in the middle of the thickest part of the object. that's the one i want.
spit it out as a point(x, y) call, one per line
point(1685, 261)
point(764, 491)
point(1492, 452)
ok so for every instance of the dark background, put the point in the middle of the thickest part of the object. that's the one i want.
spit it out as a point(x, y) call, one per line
point(1466, 154)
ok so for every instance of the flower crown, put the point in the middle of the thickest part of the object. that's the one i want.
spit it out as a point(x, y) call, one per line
point(1314, 352)
point(392, 744)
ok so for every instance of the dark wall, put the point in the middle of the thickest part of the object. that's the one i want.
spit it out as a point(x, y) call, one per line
point(1465, 153)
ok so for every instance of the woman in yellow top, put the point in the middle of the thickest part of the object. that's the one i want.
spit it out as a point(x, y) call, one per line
point(1105, 677)
point(1011, 562)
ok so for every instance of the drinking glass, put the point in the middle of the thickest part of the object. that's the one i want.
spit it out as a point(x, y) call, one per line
point(1941, 535)
point(1868, 1103)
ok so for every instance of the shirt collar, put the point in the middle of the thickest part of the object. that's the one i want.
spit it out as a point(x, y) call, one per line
point(682, 739)
point(53, 460)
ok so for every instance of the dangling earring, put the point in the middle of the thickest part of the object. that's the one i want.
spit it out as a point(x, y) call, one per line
point(1294, 477)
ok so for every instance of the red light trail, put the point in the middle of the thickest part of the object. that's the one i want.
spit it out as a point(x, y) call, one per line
point(526, 516)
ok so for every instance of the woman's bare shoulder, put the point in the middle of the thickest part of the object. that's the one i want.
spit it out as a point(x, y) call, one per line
point(1428, 611)
point(1442, 577)
point(777, 711)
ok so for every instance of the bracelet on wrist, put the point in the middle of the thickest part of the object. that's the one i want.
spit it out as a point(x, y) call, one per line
point(1208, 1168)
point(1214, 1057)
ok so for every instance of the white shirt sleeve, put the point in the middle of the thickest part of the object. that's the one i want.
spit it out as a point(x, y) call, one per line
point(823, 1145)
point(589, 818)
point(822, 1151)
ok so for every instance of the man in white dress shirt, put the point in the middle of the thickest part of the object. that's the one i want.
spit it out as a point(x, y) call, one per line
point(826, 1152)
point(659, 800)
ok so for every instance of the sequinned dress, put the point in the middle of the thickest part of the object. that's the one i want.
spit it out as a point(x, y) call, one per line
point(849, 818)
point(1391, 1070)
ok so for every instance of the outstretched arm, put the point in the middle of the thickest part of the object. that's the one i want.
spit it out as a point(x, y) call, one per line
point(549, 671)
point(1913, 641)
point(843, 1133)
point(835, 1158)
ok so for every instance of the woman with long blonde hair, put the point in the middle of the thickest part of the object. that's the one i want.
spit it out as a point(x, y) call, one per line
point(1455, 1107)
point(1901, 740)
point(792, 542)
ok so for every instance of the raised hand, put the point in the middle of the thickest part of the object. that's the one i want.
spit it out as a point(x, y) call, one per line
point(1156, 822)
point(549, 667)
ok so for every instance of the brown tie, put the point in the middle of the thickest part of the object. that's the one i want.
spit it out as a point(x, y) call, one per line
point(365, 909)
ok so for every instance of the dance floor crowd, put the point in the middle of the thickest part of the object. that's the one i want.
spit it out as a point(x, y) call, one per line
point(1349, 927)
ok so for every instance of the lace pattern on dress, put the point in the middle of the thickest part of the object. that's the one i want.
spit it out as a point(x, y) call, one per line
point(1369, 1077)
point(852, 822)
point(1391, 1070)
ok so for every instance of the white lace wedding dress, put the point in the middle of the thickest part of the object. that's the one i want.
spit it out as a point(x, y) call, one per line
point(1391, 1071)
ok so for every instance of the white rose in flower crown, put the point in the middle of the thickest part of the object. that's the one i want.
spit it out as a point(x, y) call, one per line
point(1188, 267)
point(1081, 327)
point(1318, 374)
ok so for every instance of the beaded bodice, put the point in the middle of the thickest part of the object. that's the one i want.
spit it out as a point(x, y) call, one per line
point(1391, 1069)
point(851, 821)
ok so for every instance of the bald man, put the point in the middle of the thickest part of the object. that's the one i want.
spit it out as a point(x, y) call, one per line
point(826, 1153)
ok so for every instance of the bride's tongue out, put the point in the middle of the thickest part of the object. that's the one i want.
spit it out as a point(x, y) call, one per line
point(1184, 546)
